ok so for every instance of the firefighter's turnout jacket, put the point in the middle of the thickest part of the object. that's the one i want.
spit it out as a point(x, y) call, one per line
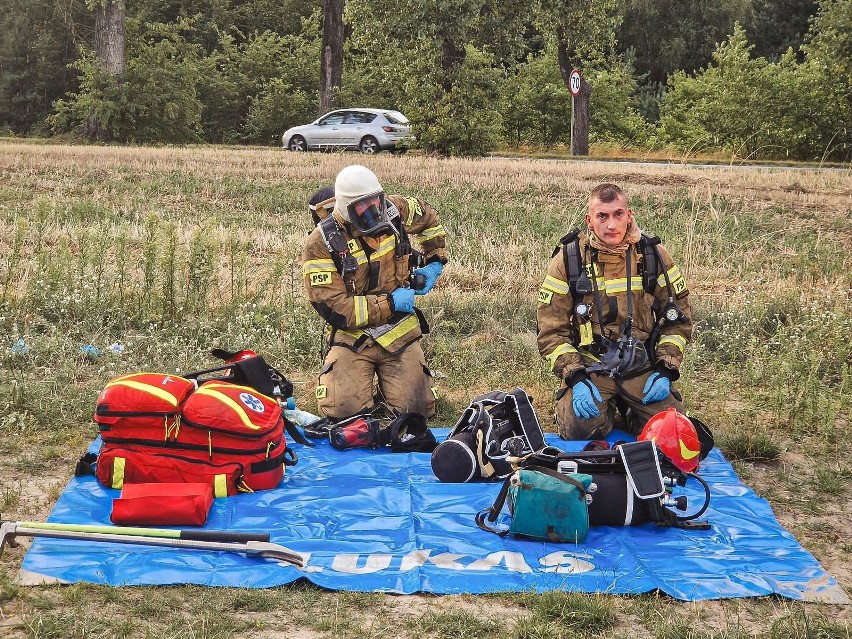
point(568, 341)
point(365, 315)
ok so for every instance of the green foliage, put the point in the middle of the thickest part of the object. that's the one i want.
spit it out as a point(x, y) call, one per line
point(613, 107)
point(276, 108)
point(536, 104)
point(154, 101)
point(463, 120)
point(672, 35)
point(35, 49)
point(777, 25)
point(734, 105)
point(255, 90)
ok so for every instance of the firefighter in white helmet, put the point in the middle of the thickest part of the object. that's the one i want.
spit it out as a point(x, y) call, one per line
point(362, 275)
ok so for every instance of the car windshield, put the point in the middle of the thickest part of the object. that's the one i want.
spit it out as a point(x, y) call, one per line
point(395, 117)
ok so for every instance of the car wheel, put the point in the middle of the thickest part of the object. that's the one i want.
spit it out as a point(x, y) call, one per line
point(297, 143)
point(369, 145)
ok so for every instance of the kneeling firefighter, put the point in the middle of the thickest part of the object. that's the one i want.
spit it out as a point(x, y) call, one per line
point(613, 321)
point(358, 266)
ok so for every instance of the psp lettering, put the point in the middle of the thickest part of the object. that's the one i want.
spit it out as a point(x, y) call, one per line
point(320, 279)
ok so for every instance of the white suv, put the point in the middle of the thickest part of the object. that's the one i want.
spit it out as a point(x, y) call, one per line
point(365, 130)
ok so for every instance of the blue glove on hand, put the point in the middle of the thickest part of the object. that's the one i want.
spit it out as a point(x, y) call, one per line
point(432, 271)
point(582, 400)
point(403, 300)
point(656, 388)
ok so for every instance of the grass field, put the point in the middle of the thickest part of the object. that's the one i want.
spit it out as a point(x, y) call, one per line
point(165, 253)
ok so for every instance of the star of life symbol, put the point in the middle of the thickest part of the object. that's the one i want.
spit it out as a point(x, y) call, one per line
point(252, 402)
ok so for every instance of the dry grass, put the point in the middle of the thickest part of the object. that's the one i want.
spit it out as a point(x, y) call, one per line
point(84, 258)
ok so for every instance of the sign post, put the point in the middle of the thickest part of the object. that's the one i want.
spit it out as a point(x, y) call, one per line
point(574, 84)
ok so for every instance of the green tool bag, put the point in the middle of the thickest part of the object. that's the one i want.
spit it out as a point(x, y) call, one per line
point(544, 504)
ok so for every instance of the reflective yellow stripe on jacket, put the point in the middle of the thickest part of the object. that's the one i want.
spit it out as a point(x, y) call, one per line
point(361, 313)
point(558, 352)
point(676, 340)
point(432, 232)
point(318, 266)
point(555, 285)
point(620, 285)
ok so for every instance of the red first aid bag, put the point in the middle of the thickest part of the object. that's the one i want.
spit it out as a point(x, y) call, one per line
point(141, 406)
point(238, 423)
point(163, 504)
point(163, 428)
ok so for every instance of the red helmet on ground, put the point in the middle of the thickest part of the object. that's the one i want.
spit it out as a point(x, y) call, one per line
point(676, 436)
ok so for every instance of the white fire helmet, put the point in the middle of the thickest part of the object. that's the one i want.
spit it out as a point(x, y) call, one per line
point(360, 200)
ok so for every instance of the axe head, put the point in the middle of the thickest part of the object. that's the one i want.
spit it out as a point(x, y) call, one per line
point(7, 535)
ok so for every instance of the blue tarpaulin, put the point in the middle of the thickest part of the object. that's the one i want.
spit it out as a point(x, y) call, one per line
point(372, 520)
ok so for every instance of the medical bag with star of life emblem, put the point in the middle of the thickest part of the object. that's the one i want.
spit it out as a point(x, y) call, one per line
point(156, 428)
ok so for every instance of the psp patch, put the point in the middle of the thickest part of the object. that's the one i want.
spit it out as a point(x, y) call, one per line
point(322, 278)
point(545, 297)
point(322, 392)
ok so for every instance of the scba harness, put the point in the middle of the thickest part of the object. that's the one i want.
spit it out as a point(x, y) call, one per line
point(341, 251)
point(632, 484)
point(495, 429)
point(625, 356)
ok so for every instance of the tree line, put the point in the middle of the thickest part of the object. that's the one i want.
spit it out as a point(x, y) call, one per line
point(757, 79)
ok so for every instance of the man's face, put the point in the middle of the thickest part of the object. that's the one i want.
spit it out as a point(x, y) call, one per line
point(609, 220)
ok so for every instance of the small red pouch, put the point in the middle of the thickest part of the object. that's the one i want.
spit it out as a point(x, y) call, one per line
point(163, 504)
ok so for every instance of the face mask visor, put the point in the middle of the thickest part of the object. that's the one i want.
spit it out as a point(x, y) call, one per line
point(368, 214)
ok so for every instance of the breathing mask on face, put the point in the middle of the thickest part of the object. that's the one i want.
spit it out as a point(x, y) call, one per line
point(368, 214)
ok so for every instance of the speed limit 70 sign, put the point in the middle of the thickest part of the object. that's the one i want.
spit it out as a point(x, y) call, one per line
point(574, 83)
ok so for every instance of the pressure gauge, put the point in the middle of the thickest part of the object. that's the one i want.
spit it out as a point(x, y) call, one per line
point(673, 313)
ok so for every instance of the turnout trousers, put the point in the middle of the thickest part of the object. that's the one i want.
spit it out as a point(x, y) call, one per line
point(629, 390)
point(346, 381)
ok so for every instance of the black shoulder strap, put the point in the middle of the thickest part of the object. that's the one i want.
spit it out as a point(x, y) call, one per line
point(572, 258)
point(530, 426)
point(651, 262)
point(334, 242)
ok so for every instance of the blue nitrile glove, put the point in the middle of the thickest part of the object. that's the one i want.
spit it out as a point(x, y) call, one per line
point(432, 271)
point(656, 388)
point(403, 300)
point(584, 394)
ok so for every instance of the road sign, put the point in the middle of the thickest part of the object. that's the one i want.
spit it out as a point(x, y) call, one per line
point(574, 83)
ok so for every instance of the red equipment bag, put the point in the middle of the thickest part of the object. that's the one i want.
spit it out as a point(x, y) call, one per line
point(159, 428)
point(118, 466)
point(142, 405)
point(162, 504)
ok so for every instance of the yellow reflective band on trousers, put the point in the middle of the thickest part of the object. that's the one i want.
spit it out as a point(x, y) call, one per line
point(118, 464)
point(318, 266)
point(360, 310)
point(220, 486)
point(408, 324)
point(156, 391)
point(558, 352)
point(432, 232)
point(676, 340)
point(555, 285)
point(230, 403)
